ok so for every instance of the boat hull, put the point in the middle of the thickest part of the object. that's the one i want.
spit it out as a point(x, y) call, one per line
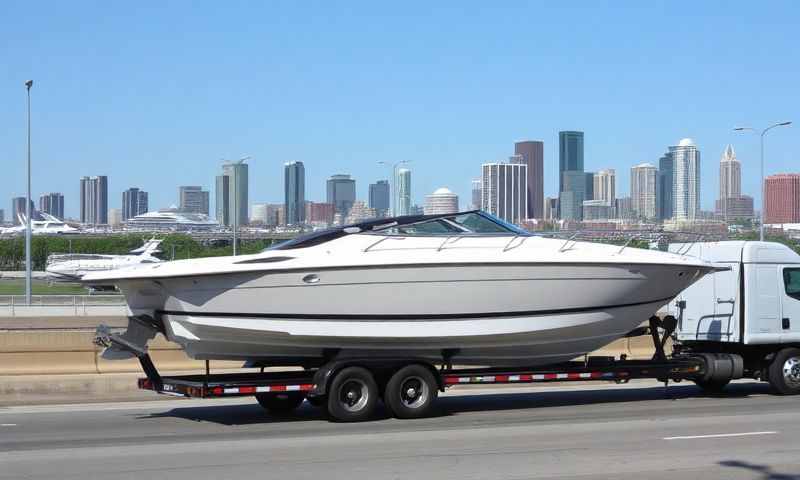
point(490, 314)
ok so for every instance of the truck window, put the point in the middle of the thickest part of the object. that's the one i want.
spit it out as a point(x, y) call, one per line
point(791, 280)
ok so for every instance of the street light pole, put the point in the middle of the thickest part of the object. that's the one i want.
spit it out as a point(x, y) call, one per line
point(763, 183)
point(28, 209)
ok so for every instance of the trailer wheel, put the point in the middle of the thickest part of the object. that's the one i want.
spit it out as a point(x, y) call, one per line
point(280, 402)
point(411, 392)
point(784, 372)
point(352, 395)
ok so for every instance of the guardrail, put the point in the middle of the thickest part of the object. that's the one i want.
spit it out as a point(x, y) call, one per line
point(62, 306)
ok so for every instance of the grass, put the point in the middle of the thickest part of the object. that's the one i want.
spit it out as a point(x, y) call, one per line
point(40, 287)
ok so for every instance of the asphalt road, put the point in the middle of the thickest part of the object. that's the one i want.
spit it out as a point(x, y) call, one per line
point(632, 431)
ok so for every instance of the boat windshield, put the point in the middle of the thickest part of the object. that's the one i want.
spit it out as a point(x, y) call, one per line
point(466, 223)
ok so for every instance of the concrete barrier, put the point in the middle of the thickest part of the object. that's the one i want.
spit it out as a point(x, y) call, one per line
point(43, 352)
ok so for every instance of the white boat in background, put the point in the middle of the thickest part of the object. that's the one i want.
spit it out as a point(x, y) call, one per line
point(465, 288)
point(71, 267)
point(42, 224)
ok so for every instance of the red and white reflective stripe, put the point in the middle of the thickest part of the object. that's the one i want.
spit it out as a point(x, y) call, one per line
point(260, 389)
point(534, 377)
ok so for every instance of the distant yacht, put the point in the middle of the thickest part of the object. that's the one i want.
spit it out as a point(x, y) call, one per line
point(42, 224)
point(73, 266)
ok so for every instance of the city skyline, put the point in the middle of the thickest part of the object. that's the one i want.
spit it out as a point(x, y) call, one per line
point(158, 117)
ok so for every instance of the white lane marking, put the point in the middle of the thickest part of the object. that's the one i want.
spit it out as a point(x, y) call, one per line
point(721, 435)
point(8, 424)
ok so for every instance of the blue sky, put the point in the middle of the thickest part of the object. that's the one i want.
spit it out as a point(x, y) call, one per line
point(154, 94)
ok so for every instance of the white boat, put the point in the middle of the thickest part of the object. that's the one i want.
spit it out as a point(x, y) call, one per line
point(42, 224)
point(72, 267)
point(464, 288)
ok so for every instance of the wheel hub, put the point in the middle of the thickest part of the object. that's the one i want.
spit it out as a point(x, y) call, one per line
point(414, 392)
point(791, 371)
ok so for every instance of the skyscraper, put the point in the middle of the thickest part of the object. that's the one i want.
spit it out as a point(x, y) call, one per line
point(18, 210)
point(2, 216)
point(605, 182)
point(134, 202)
point(232, 193)
point(379, 197)
point(532, 152)
point(782, 198)
point(403, 193)
point(731, 203)
point(476, 194)
point(505, 190)
point(666, 187)
point(441, 201)
point(644, 180)
point(570, 153)
point(193, 199)
point(686, 180)
point(572, 183)
point(294, 189)
point(570, 201)
point(341, 192)
point(52, 204)
point(94, 200)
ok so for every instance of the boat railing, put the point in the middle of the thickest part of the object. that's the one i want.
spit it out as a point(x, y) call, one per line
point(656, 239)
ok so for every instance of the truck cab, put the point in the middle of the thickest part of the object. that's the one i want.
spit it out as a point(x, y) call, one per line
point(751, 308)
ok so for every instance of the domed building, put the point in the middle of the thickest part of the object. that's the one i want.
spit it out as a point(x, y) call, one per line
point(441, 201)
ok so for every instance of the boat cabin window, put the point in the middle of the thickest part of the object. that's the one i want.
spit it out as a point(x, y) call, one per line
point(466, 223)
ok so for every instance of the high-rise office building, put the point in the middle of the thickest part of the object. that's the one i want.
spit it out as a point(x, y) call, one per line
point(505, 190)
point(19, 212)
point(730, 174)
point(532, 153)
point(605, 184)
point(441, 201)
point(319, 213)
point(403, 192)
point(731, 203)
point(52, 204)
point(623, 209)
point(570, 153)
point(193, 199)
point(666, 187)
point(476, 194)
point(94, 200)
point(114, 217)
point(644, 184)
point(782, 198)
point(294, 189)
point(571, 200)
point(232, 193)
point(379, 198)
point(134, 202)
point(341, 192)
point(550, 208)
point(686, 180)
point(572, 184)
point(2, 216)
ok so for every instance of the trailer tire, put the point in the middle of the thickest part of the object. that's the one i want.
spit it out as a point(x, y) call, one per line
point(280, 403)
point(352, 395)
point(411, 392)
point(784, 372)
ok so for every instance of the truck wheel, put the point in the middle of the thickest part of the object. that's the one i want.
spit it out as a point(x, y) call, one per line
point(411, 392)
point(713, 387)
point(352, 395)
point(784, 372)
point(280, 402)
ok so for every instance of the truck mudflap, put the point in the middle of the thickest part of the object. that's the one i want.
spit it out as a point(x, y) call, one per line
point(130, 344)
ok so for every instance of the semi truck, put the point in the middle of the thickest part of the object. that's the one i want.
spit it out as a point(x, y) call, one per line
point(741, 321)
